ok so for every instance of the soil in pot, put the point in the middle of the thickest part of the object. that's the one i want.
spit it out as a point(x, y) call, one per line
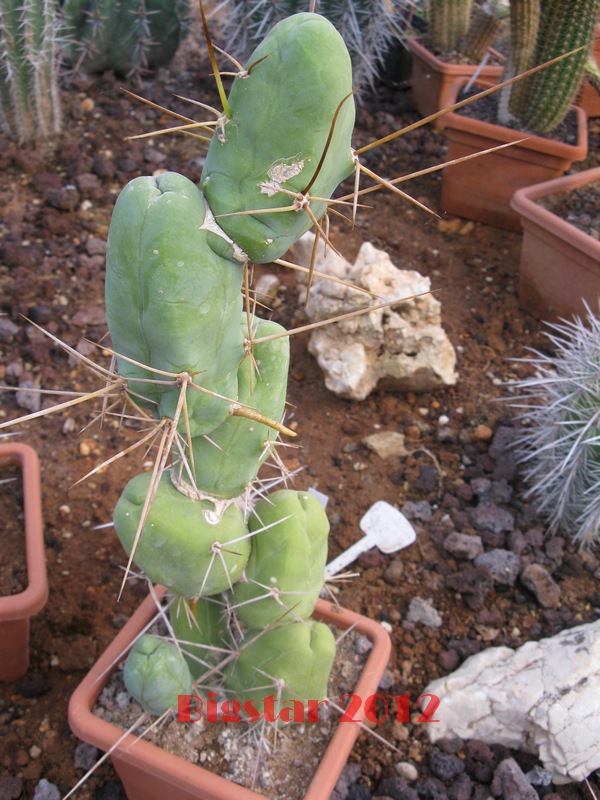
point(579, 207)
point(13, 565)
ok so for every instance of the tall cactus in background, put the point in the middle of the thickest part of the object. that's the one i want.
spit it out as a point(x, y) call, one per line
point(368, 27)
point(214, 379)
point(29, 95)
point(448, 23)
point(540, 31)
point(127, 36)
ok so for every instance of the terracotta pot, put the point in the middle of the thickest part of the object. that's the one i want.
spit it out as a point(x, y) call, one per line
point(17, 609)
point(431, 77)
point(482, 188)
point(560, 264)
point(149, 773)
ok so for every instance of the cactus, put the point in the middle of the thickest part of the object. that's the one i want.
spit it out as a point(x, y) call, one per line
point(29, 95)
point(540, 31)
point(127, 36)
point(448, 23)
point(559, 448)
point(369, 28)
point(240, 571)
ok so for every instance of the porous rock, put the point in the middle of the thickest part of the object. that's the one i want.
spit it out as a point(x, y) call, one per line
point(542, 698)
point(404, 346)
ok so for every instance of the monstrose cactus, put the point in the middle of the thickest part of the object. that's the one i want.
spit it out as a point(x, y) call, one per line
point(244, 575)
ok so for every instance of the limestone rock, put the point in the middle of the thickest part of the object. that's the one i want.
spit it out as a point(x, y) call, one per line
point(404, 346)
point(543, 698)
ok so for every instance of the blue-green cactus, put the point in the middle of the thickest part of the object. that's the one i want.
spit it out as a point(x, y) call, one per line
point(300, 77)
point(155, 673)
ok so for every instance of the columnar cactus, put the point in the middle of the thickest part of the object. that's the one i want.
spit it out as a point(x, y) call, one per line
point(29, 95)
point(559, 448)
point(215, 380)
point(127, 36)
point(540, 31)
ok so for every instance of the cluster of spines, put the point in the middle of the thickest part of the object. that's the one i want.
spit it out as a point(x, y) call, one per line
point(29, 94)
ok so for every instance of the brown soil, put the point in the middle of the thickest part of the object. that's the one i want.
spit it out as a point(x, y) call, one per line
point(57, 201)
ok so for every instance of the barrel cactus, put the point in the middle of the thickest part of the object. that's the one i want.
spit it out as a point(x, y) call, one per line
point(244, 573)
point(127, 36)
point(558, 446)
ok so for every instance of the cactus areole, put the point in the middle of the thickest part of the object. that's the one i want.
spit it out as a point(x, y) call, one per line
point(244, 576)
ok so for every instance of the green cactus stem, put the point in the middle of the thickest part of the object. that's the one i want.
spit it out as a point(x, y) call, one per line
point(448, 23)
point(29, 93)
point(155, 673)
point(285, 572)
point(187, 545)
point(228, 459)
point(292, 662)
point(200, 628)
point(301, 78)
point(127, 36)
point(543, 100)
point(482, 32)
point(173, 300)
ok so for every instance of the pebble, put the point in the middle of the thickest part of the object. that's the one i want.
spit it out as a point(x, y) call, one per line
point(363, 645)
point(85, 756)
point(8, 329)
point(539, 581)
point(510, 783)
point(396, 788)
point(393, 572)
point(266, 289)
point(463, 545)
point(29, 400)
point(461, 789)
point(46, 791)
point(473, 583)
point(386, 444)
point(10, 788)
point(420, 510)
point(503, 564)
point(482, 433)
point(427, 479)
point(421, 611)
point(444, 766)
point(407, 770)
point(491, 517)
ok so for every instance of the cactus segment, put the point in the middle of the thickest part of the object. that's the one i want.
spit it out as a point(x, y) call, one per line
point(127, 36)
point(285, 572)
point(292, 662)
point(184, 542)
point(229, 458)
point(282, 109)
point(198, 628)
point(155, 673)
point(173, 302)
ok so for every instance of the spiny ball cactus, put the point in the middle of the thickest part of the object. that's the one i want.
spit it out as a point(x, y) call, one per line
point(559, 449)
point(127, 36)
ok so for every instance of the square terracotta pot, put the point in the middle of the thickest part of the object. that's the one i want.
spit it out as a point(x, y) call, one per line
point(482, 188)
point(560, 264)
point(149, 773)
point(16, 610)
point(431, 77)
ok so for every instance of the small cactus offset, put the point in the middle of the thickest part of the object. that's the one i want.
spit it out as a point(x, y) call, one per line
point(127, 36)
point(29, 94)
point(559, 448)
point(448, 23)
point(244, 576)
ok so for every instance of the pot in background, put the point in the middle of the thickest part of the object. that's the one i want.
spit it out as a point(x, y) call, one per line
point(560, 264)
point(17, 609)
point(482, 188)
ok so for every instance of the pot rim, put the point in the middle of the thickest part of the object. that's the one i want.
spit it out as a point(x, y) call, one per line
point(524, 202)
point(496, 132)
point(32, 599)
